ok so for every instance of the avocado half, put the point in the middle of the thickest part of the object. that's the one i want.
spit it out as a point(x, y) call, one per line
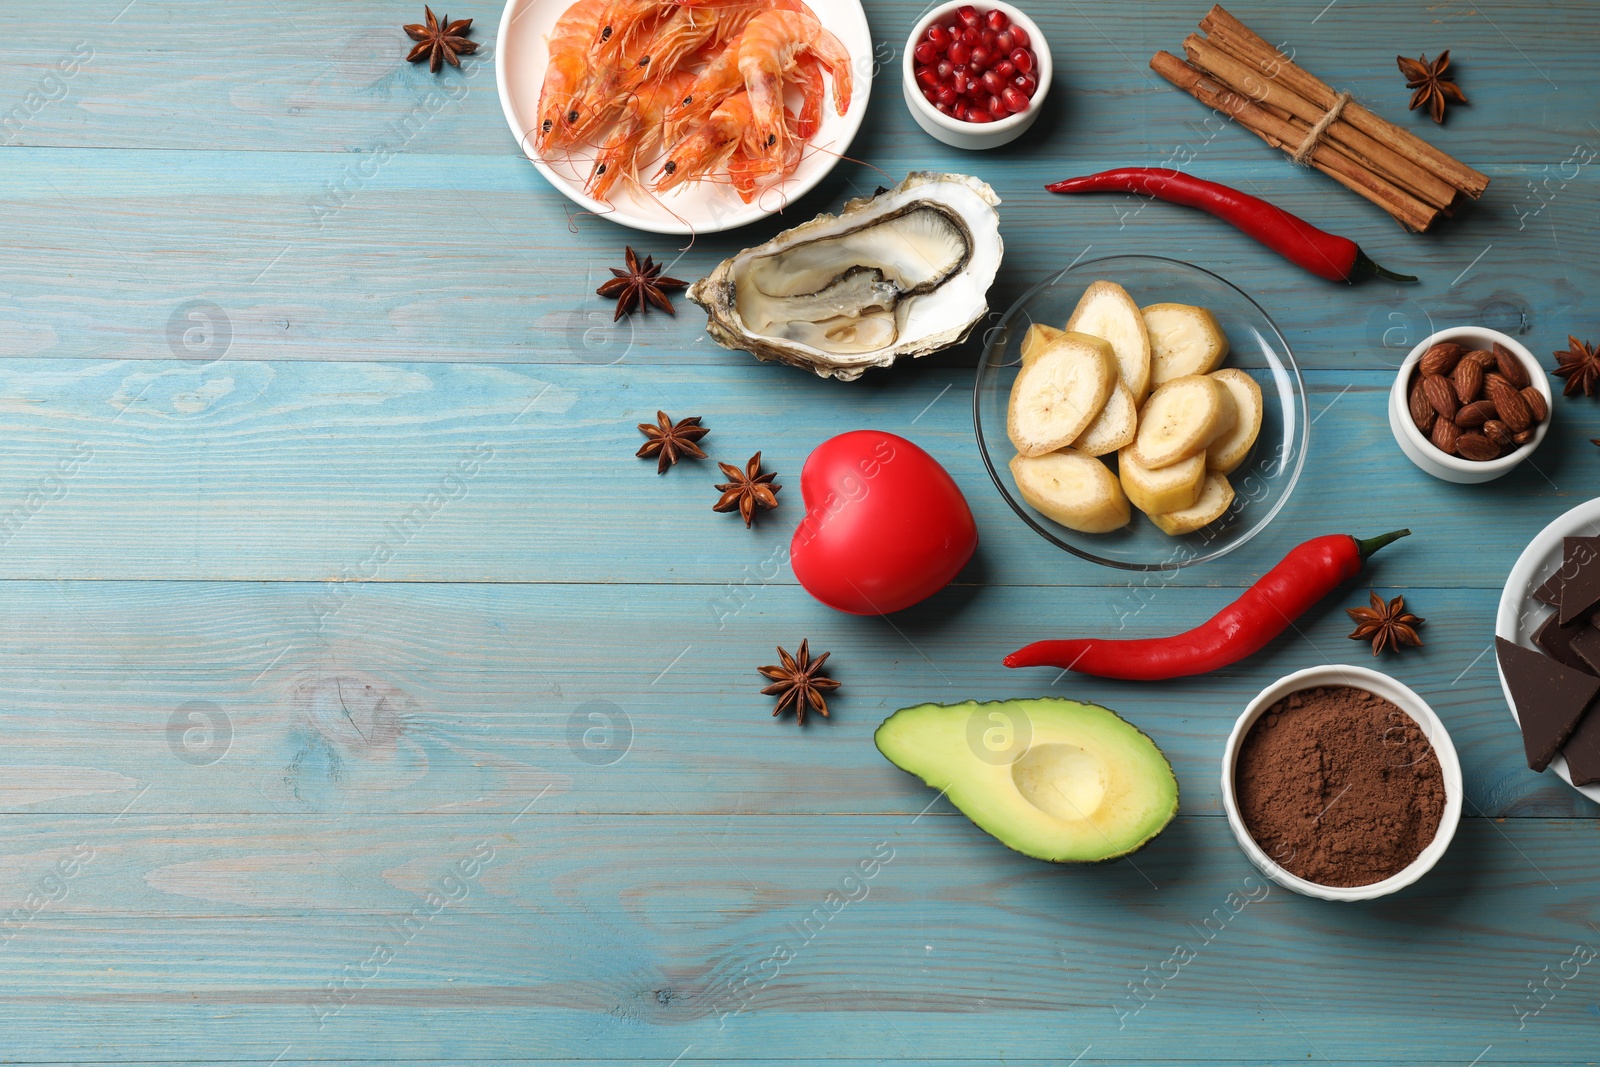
point(1057, 780)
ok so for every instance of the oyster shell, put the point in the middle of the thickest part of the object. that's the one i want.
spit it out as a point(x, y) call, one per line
point(902, 273)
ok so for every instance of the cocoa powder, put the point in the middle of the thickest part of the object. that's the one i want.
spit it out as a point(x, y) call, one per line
point(1339, 786)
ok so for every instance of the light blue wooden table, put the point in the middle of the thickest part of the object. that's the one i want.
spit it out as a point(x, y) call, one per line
point(363, 699)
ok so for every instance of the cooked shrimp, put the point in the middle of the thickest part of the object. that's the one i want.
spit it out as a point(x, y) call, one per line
point(707, 147)
point(808, 73)
point(637, 134)
point(747, 164)
point(769, 49)
point(721, 78)
point(566, 77)
point(623, 24)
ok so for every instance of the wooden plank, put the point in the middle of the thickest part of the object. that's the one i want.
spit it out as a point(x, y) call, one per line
point(560, 935)
point(294, 471)
point(474, 259)
point(282, 698)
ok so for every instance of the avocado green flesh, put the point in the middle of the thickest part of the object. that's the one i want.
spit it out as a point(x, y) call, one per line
point(1055, 779)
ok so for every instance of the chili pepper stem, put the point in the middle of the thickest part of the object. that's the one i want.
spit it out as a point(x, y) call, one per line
point(1370, 545)
point(1365, 265)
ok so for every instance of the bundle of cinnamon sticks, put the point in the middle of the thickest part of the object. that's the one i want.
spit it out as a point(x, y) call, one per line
point(1239, 74)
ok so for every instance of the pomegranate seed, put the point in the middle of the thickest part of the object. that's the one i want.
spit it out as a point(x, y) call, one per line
point(1006, 69)
point(967, 15)
point(927, 78)
point(996, 19)
point(930, 95)
point(987, 38)
point(1026, 83)
point(1004, 42)
point(976, 92)
point(960, 52)
point(971, 36)
point(926, 53)
point(993, 82)
point(960, 110)
point(946, 109)
point(948, 96)
point(1014, 99)
point(1019, 36)
point(958, 80)
point(977, 114)
point(944, 70)
point(982, 58)
point(995, 106)
point(939, 37)
point(1023, 59)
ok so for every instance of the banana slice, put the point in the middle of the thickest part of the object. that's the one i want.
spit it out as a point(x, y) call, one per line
point(1184, 339)
point(1158, 492)
point(1181, 418)
point(1214, 500)
point(1074, 489)
point(1115, 428)
point(1106, 310)
point(1037, 339)
point(1228, 451)
point(1059, 394)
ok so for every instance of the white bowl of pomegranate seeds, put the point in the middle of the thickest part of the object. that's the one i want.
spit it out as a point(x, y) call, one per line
point(975, 74)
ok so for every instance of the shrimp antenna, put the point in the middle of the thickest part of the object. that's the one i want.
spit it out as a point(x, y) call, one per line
point(852, 159)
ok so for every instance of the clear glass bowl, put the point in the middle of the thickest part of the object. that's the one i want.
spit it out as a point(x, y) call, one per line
point(1261, 484)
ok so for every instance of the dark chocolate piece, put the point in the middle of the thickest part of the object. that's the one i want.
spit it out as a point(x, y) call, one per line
point(1580, 593)
point(1583, 751)
point(1550, 699)
point(1560, 642)
point(1574, 552)
point(1586, 643)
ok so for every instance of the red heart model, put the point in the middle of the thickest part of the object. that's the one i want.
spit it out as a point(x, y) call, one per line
point(885, 525)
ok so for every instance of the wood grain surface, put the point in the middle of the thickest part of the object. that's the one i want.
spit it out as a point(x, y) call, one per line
point(363, 699)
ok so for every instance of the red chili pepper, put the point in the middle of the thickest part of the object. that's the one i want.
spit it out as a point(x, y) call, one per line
point(1306, 575)
point(1326, 255)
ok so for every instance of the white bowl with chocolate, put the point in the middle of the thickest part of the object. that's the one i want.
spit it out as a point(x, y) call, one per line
point(1341, 783)
point(1469, 404)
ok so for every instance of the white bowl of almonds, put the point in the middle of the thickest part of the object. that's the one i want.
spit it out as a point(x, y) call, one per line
point(1469, 404)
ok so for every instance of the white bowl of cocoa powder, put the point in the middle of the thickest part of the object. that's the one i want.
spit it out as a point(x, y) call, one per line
point(1341, 783)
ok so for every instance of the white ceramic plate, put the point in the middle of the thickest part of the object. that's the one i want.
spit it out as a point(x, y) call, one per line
point(698, 207)
point(1520, 615)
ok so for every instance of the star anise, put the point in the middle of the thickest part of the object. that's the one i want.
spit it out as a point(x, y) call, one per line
point(669, 441)
point(440, 41)
point(1388, 624)
point(796, 683)
point(747, 489)
point(1432, 87)
point(639, 284)
point(1579, 364)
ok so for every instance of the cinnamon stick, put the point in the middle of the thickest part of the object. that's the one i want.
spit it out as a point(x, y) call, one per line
point(1246, 79)
point(1234, 37)
point(1281, 133)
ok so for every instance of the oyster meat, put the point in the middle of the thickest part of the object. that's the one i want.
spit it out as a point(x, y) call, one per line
point(902, 273)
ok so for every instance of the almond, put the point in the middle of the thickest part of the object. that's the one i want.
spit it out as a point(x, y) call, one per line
point(1422, 412)
point(1445, 435)
point(1498, 432)
point(1440, 395)
point(1482, 358)
point(1475, 414)
point(1522, 438)
point(1441, 358)
point(1510, 366)
point(1476, 447)
point(1468, 380)
point(1508, 403)
point(1536, 405)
